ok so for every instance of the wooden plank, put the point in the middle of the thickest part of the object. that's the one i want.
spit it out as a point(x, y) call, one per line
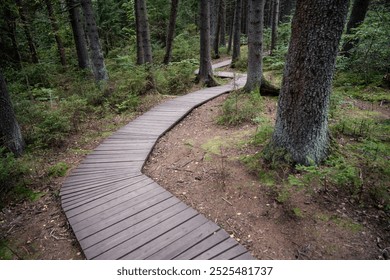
point(167, 238)
point(184, 243)
point(129, 188)
point(107, 228)
point(231, 253)
point(142, 201)
point(203, 246)
point(136, 241)
point(217, 249)
point(246, 256)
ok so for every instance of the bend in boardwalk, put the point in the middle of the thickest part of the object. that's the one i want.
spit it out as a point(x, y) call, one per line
point(116, 212)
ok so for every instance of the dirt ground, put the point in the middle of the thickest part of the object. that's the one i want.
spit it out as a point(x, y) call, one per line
point(198, 161)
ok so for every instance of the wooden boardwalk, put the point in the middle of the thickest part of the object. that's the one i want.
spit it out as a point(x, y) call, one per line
point(117, 212)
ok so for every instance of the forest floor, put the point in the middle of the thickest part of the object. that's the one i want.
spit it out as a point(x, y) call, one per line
point(200, 162)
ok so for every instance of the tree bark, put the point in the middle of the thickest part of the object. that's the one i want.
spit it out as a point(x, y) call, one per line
point(205, 75)
point(255, 44)
point(358, 14)
point(97, 58)
point(27, 32)
point(231, 34)
point(171, 31)
point(144, 31)
point(301, 129)
point(54, 25)
point(78, 34)
point(140, 47)
point(10, 134)
point(218, 31)
point(214, 7)
point(237, 32)
point(275, 22)
point(222, 11)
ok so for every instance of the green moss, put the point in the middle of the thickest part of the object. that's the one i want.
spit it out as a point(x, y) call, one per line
point(58, 170)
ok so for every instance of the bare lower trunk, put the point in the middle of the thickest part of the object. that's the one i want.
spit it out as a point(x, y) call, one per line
point(255, 44)
point(301, 129)
point(54, 25)
point(222, 10)
point(144, 31)
point(140, 47)
point(97, 59)
point(171, 31)
point(10, 135)
point(237, 32)
point(275, 22)
point(205, 75)
point(78, 34)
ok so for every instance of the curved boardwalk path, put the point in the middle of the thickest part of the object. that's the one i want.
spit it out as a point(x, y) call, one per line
point(117, 212)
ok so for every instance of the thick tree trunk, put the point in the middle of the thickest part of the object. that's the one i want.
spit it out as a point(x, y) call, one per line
point(237, 32)
point(213, 20)
point(205, 75)
point(78, 34)
point(10, 135)
point(171, 31)
point(144, 31)
point(255, 44)
point(97, 59)
point(27, 32)
point(358, 14)
point(301, 129)
point(140, 47)
point(54, 25)
point(222, 11)
point(275, 22)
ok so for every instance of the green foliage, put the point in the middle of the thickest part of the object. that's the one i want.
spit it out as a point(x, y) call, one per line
point(58, 170)
point(240, 107)
point(11, 170)
point(176, 78)
point(5, 252)
point(371, 53)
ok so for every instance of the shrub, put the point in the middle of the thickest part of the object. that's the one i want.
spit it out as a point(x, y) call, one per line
point(11, 169)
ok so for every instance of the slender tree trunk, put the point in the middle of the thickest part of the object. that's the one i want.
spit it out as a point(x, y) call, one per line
point(54, 25)
point(171, 31)
point(244, 17)
point(144, 31)
point(275, 22)
point(205, 75)
point(11, 22)
point(218, 32)
point(237, 32)
point(27, 32)
point(140, 47)
point(255, 44)
point(213, 21)
point(358, 14)
point(230, 43)
point(78, 34)
point(10, 135)
point(301, 129)
point(286, 8)
point(222, 10)
point(268, 13)
point(97, 58)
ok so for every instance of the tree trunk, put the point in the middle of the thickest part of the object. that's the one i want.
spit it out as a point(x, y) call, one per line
point(237, 32)
point(144, 31)
point(268, 13)
point(205, 75)
point(222, 11)
point(358, 14)
point(218, 32)
point(97, 59)
point(27, 32)
point(11, 24)
point(255, 44)
point(54, 25)
point(213, 20)
point(171, 31)
point(231, 34)
point(286, 8)
point(301, 129)
point(78, 34)
point(10, 135)
point(140, 47)
point(275, 22)
point(244, 17)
